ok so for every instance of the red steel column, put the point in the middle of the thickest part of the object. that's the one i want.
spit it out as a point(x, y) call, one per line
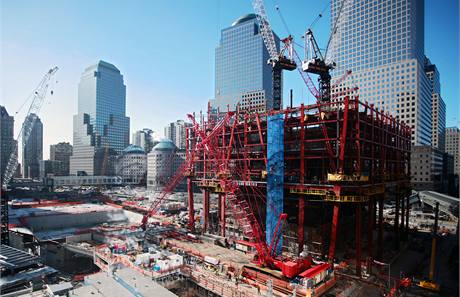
point(396, 223)
point(407, 215)
point(403, 210)
point(191, 210)
point(222, 214)
point(358, 240)
point(205, 210)
point(370, 234)
point(335, 221)
point(380, 234)
point(301, 220)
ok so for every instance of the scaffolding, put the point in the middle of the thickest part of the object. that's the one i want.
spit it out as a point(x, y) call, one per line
point(340, 152)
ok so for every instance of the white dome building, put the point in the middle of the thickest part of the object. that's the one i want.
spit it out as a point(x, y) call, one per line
point(162, 163)
point(131, 165)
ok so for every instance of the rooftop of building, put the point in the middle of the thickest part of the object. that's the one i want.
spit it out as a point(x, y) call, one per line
point(133, 149)
point(104, 64)
point(165, 145)
point(244, 18)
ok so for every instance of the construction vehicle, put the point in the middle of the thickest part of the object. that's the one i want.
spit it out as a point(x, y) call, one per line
point(38, 98)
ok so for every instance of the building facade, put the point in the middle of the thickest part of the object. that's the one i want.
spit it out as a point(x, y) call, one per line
point(52, 168)
point(7, 142)
point(61, 152)
point(241, 65)
point(438, 107)
point(427, 168)
point(131, 165)
point(32, 149)
point(453, 146)
point(101, 128)
point(175, 131)
point(162, 163)
point(382, 43)
point(144, 139)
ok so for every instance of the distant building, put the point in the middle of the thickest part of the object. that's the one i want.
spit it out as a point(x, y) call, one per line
point(144, 139)
point(438, 107)
point(52, 168)
point(61, 152)
point(7, 142)
point(101, 128)
point(32, 149)
point(242, 74)
point(426, 168)
point(162, 163)
point(175, 131)
point(131, 165)
point(453, 146)
point(382, 43)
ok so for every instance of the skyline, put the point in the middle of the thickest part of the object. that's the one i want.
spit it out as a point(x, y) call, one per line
point(160, 63)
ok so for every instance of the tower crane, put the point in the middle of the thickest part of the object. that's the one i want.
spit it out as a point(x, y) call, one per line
point(38, 98)
point(278, 60)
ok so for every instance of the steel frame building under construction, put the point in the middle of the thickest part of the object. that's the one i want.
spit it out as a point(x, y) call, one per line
point(339, 155)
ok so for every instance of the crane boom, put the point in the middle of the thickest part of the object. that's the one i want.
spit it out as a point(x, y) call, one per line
point(39, 95)
point(265, 29)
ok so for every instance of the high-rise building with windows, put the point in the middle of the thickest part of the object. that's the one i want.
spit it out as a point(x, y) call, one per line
point(101, 128)
point(32, 148)
point(242, 74)
point(175, 131)
point(453, 146)
point(438, 107)
point(61, 152)
point(382, 42)
point(7, 142)
point(144, 139)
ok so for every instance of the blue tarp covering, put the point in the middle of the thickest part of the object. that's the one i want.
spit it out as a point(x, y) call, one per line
point(275, 175)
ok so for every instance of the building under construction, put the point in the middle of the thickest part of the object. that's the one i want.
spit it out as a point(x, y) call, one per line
point(322, 164)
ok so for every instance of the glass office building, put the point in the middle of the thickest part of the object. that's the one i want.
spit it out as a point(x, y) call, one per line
point(242, 73)
point(32, 149)
point(101, 128)
point(382, 42)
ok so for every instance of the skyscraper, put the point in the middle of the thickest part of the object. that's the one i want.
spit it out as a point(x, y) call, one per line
point(7, 142)
point(144, 139)
point(175, 131)
point(242, 73)
point(438, 107)
point(382, 42)
point(32, 149)
point(101, 128)
point(453, 146)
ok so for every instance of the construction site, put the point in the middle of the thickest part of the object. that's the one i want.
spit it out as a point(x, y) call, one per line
point(308, 200)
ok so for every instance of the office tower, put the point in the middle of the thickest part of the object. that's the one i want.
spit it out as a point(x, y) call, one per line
point(453, 146)
point(382, 42)
point(175, 131)
point(53, 167)
point(7, 142)
point(32, 149)
point(426, 168)
point(162, 163)
point(61, 152)
point(144, 139)
point(101, 128)
point(438, 107)
point(241, 72)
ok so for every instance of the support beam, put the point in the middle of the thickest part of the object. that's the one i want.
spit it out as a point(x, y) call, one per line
point(403, 211)
point(370, 233)
point(335, 221)
point(191, 209)
point(205, 210)
point(358, 239)
point(407, 214)
point(222, 214)
point(301, 222)
point(380, 234)
point(396, 222)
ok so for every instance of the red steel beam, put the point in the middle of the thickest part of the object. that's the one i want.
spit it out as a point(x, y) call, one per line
point(370, 233)
point(205, 210)
point(407, 215)
point(380, 234)
point(335, 222)
point(222, 214)
point(396, 222)
point(191, 209)
point(301, 222)
point(358, 239)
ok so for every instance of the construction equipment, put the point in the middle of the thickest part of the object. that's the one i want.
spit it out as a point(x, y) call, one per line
point(38, 98)
point(277, 60)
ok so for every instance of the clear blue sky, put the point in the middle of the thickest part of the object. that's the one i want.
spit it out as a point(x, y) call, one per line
point(165, 50)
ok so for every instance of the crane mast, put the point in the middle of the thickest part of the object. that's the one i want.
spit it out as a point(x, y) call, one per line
point(39, 95)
